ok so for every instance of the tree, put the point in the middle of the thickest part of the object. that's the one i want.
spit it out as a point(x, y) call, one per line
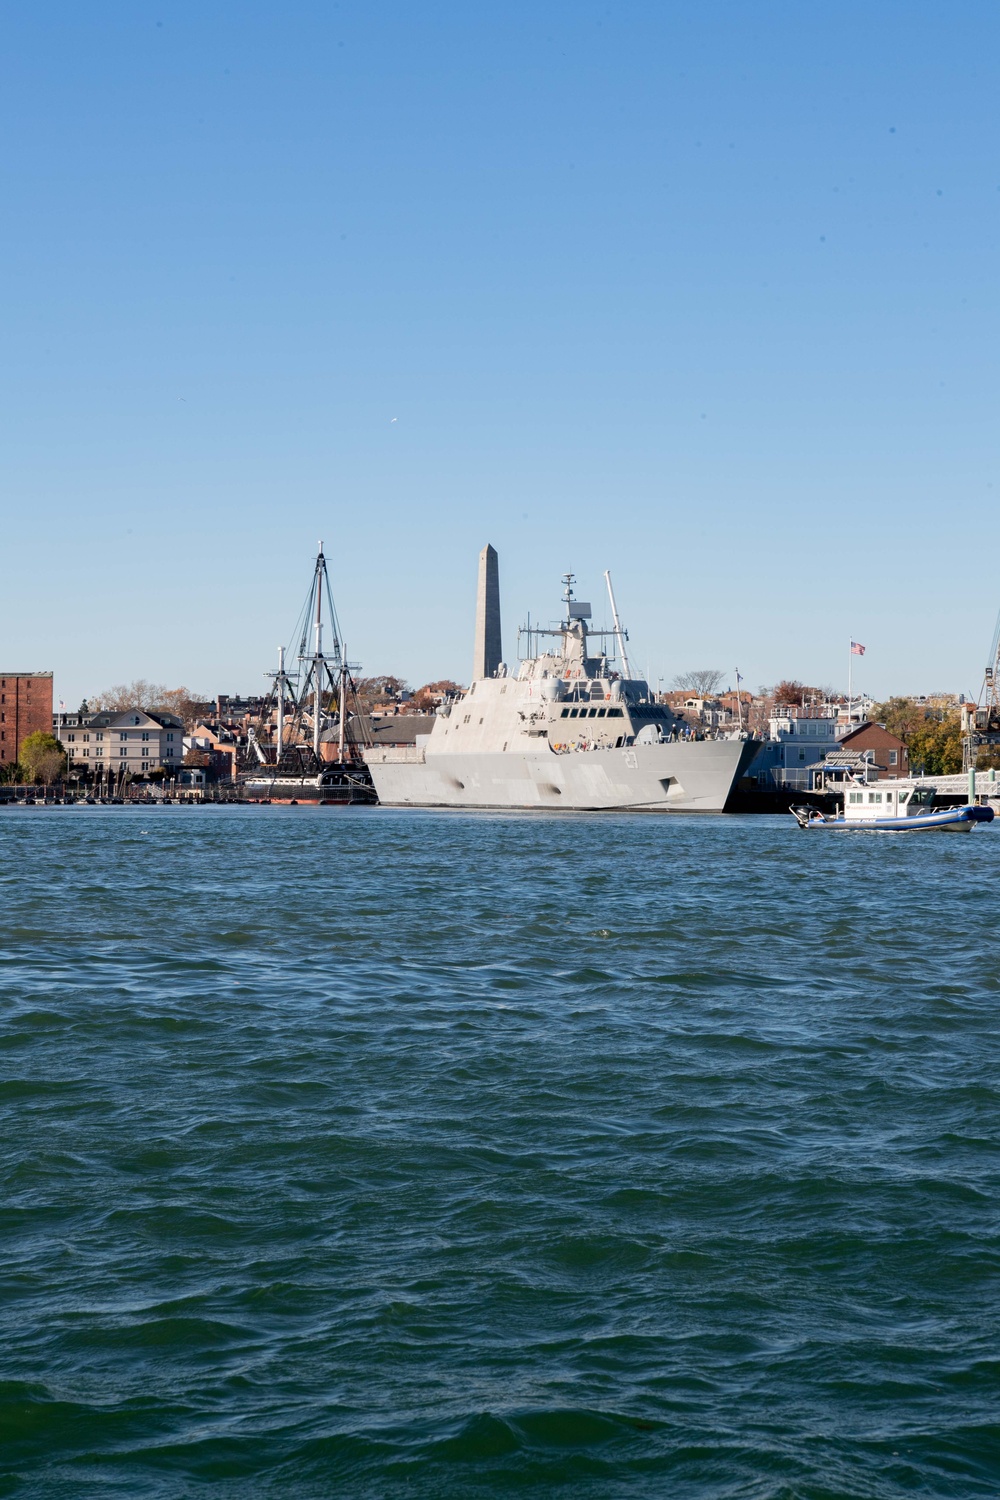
point(185, 704)
point(790, 690)
point(380, 689)
point(702, 683)
point(428, 696)
point(933, 735)
point(42, 758)
point(900, 716)
point(937, 745)
point(137, 694)
point(150, 698)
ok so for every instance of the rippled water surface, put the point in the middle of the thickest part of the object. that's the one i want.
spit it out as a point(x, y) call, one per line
point(374, 1154)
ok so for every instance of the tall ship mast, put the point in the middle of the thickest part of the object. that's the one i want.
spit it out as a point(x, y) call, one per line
point(571, 728)
point(290, 754)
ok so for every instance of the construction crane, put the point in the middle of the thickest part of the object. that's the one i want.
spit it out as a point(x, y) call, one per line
point(981, 721)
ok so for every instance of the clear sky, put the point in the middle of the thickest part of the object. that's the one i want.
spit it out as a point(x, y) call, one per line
point(705, 293)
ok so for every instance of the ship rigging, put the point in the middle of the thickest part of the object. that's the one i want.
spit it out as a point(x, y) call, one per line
point(306, 704)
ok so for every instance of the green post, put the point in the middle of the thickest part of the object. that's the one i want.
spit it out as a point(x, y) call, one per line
point(972, 785)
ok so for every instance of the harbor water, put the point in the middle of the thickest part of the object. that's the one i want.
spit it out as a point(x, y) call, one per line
point(352, 1152)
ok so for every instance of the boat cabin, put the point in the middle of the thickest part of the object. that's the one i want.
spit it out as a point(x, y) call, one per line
point(862, 804)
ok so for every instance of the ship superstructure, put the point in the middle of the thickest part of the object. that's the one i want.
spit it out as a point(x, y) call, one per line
point(569, 729)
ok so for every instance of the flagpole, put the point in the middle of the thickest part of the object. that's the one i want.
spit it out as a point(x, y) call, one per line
point(850, 684)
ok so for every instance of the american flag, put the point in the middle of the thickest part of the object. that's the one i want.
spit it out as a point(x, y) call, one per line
point(857, 649)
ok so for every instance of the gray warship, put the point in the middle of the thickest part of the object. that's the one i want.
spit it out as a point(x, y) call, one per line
point(567, 730)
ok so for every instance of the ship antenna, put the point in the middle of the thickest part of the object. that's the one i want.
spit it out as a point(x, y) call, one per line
point(568, 581)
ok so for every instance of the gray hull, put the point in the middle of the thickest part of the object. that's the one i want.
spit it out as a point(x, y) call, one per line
point(692, 776)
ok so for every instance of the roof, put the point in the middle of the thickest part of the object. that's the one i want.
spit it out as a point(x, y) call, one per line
point(867, 725)
point(393, 729)
point(850, 759)
point(138, 716)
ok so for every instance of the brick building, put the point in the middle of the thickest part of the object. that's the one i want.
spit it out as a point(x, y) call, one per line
point(25, 708)
point(889, 753)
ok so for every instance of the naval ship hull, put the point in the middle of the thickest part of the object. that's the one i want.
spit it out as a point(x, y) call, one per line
point(675, 776)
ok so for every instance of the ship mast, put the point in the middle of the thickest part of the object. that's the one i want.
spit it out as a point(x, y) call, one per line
point(322, 670)
point(281, 681)
point(621, 636)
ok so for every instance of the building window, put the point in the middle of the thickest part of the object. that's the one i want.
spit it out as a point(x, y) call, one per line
point(892, 757)
point(145, 734)
point(123, 735)
point(71, 738)
point(123, 752)
point(170, 736)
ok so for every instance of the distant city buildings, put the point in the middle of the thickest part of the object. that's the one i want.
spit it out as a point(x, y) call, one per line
point(25, 708)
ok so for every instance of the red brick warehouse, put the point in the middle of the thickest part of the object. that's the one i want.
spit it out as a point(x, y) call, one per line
point(25, 706)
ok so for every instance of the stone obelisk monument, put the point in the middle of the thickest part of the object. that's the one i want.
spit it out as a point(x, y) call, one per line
point(488, 650)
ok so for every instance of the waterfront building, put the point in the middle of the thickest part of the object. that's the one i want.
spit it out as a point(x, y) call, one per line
point(131, 740)
point(887, 749)
point(798, 739)
point(25, 708)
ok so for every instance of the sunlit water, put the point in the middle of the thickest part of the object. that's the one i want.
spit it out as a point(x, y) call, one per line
point(372, 1154)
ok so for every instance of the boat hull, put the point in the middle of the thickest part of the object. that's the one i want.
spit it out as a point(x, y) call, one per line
point(350, 789)
point(678, 776)
point(949, 820)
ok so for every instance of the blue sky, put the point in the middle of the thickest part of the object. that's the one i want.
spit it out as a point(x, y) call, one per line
point(705, 294)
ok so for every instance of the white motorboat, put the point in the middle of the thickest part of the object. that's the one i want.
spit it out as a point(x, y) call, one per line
point(887, 810)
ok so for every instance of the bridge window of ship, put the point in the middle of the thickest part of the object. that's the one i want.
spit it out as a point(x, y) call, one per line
point(874, 796)
point(573, 712)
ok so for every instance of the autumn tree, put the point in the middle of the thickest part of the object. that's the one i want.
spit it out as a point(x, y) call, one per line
point(151, 697)
point(385, 689)
point(42, 758)
point(900, 716)
point(428, 696)
point(790, 690)
point(185, 704)
point(932, 734)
